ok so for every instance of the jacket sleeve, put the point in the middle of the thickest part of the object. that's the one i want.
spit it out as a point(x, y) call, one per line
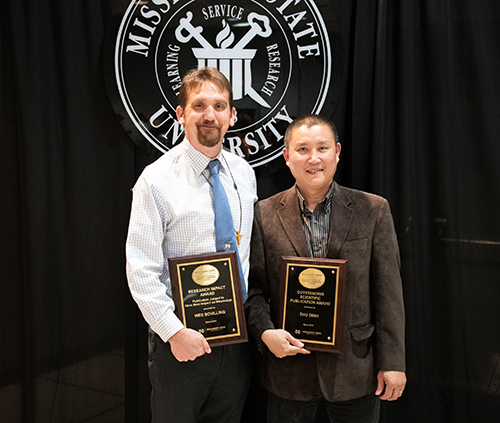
point(387, 294)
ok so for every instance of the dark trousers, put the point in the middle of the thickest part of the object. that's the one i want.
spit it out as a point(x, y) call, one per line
point(360, 410)
point(212, 388)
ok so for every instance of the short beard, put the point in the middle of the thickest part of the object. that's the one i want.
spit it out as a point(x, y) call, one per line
point(209, 140)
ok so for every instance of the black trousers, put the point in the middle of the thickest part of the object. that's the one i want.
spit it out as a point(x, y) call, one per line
point(212, 388)
point(359, 410)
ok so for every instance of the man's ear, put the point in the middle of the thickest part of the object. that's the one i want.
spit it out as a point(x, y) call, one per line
point(285, 155)
point(179, 112)
point(233, 119)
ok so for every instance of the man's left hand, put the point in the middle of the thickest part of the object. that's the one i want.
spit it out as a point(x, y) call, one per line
point(391, 384)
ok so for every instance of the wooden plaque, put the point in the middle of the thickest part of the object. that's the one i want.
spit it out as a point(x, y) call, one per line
point(206, 291)
point(312, 301)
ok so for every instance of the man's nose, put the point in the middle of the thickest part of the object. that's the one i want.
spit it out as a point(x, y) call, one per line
point(314, 156)
point(209, 113)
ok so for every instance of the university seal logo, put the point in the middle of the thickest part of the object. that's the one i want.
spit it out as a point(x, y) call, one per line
point(282, 58)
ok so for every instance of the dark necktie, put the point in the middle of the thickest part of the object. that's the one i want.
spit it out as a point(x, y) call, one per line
point(225, 238)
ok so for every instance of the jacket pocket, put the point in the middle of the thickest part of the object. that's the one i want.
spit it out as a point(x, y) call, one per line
point(360, 244)
point(361, 339)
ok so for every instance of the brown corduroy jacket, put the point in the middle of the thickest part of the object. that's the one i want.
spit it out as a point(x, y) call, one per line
point(362, 232)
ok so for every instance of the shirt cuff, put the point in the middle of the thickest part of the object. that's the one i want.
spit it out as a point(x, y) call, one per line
point(169, 327)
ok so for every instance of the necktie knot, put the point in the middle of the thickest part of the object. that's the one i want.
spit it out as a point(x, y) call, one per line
point(214, 166)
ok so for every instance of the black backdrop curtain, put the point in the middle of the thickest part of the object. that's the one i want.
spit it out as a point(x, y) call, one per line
point(418, 119)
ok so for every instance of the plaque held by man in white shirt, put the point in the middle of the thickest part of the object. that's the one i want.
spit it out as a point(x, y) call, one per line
point(206, 290)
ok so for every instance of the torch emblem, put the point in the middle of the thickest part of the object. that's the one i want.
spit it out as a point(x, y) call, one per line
point(234, 62)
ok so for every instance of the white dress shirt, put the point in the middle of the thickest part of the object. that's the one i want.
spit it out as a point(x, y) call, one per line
point(172, 216)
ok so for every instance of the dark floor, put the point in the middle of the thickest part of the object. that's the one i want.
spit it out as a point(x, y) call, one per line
point(90, 391)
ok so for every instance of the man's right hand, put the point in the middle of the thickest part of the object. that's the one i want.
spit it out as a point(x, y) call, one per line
point(282, 344)
point(187, 345)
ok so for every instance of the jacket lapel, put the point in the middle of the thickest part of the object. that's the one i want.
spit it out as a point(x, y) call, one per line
point(289, 215)
point(340, 221)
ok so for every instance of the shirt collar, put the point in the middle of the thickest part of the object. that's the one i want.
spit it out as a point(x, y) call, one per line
point(324, 207)
point(198, 160)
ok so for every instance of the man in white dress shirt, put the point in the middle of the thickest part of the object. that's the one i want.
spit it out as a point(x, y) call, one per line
point(172, 216)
